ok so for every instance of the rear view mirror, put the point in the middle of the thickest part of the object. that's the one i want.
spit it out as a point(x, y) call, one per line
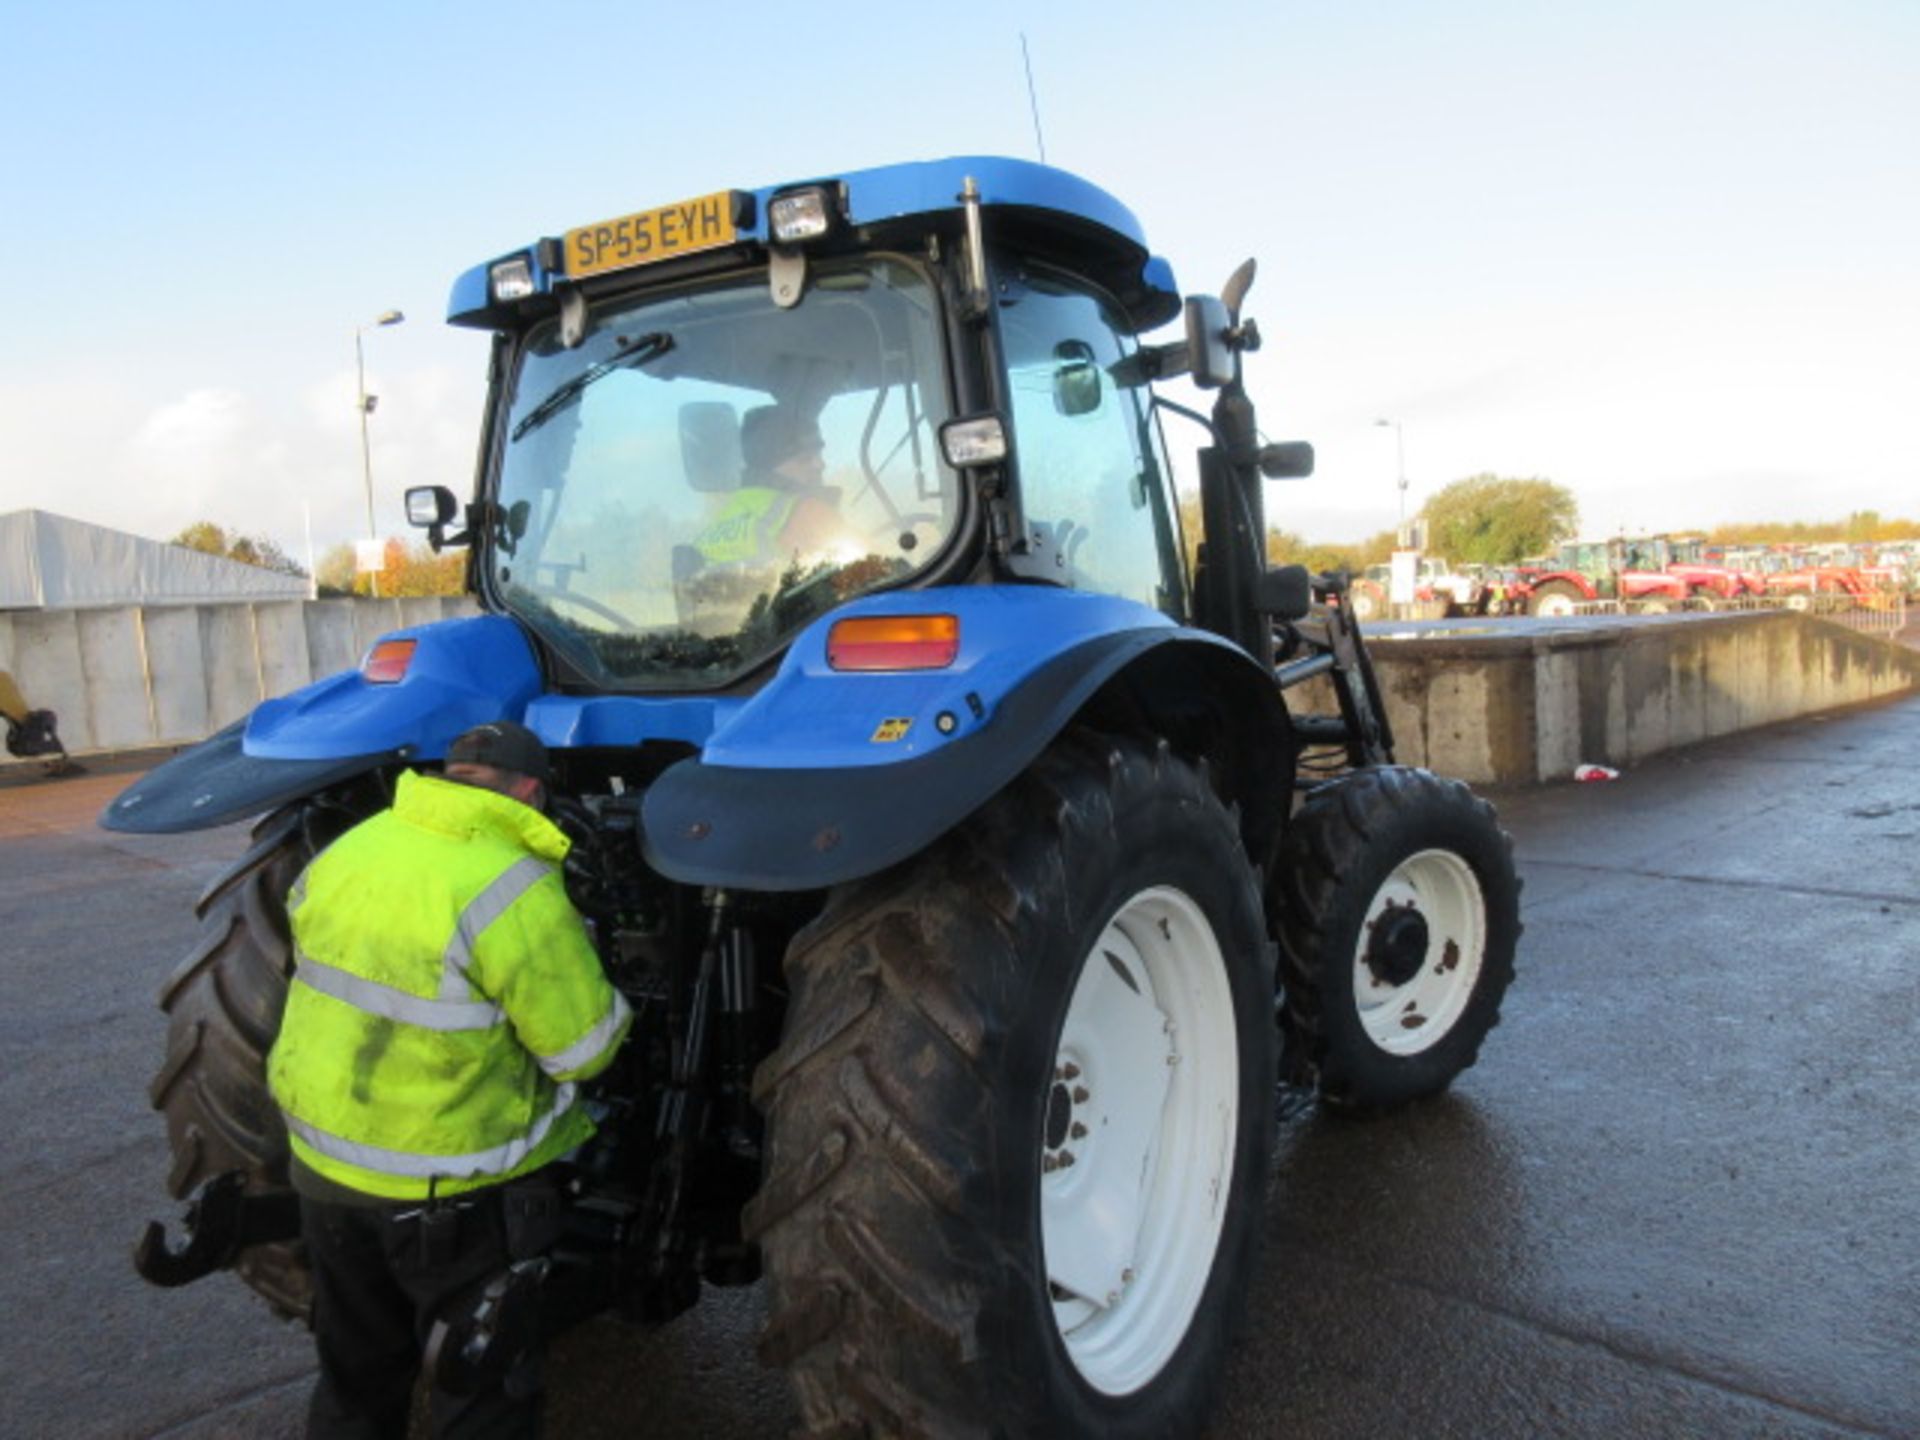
point(1292, 460)
point(430, 505)
point(1210, 361)
point(432, 508)
point(1076, 379)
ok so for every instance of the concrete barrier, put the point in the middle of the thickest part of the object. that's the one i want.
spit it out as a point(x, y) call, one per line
point(1513, 702)
point(1504, 702)
point(133, 677)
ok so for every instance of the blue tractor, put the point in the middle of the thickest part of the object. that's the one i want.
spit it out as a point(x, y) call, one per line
point(954, 839)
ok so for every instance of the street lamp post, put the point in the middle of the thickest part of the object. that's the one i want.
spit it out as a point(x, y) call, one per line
point(1400, 445)
point(367, 402)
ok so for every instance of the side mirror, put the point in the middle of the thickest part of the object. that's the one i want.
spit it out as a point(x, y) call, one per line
point(430, 505)
point(1292, 460)
point(1076, 379)
point(1285, 593)
point(432, 508)
point(1210, 360)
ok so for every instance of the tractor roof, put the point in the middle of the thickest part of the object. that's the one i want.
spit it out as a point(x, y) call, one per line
point(1046, 212)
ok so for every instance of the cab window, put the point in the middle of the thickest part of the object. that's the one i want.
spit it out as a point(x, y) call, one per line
point(1091, 483)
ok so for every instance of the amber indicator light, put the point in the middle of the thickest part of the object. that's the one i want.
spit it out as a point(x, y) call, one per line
point(894, 642)
point(388, 661)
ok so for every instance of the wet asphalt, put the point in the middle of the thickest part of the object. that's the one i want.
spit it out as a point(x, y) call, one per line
point(1679, 1196)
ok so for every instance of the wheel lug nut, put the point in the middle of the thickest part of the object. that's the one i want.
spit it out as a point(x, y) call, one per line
point(1048, 1164)
point(1080, 1095)
point(1079, 1131)
point(1070, 1071)
point(1066, 1158)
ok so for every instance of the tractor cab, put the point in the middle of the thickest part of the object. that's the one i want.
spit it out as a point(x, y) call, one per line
point(713, 422)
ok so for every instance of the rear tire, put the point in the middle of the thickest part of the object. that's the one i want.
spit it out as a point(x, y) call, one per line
point(223, 1005)
point(1080, 971)
point(1398, 914)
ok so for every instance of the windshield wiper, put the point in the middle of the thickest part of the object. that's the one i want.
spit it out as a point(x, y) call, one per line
point(638, 351)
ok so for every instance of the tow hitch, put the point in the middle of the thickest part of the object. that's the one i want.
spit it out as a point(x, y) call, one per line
point(221, 1220)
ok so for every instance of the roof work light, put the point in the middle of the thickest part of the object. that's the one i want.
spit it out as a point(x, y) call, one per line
point(974, 440)
point(800, 215)
point(511, 279)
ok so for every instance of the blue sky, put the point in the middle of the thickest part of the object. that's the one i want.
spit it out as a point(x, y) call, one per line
point(1666, 254)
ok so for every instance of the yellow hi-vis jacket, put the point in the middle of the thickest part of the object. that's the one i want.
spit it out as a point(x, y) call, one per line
point(445, 999)
point(748, 526)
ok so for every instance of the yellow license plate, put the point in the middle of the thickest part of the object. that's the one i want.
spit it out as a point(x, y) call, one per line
point(650, 235)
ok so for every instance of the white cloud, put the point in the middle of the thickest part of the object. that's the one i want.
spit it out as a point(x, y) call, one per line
point(251, 458)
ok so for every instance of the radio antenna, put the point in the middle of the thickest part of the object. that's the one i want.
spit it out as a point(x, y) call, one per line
point(1033, 99)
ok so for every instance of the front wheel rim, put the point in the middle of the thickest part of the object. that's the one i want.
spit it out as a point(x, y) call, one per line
point(1407, 1006)
point(1138, 1141)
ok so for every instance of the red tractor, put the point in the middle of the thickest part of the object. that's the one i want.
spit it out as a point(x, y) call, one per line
point(1710, 579)
point(1805, 580)
point(1584, 570)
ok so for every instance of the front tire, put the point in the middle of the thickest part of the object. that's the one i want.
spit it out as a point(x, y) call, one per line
point(1553, 598)
point(1020, 1119)
point(1398, 915)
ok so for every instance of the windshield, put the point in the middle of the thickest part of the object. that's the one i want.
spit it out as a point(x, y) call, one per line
point(707, 472)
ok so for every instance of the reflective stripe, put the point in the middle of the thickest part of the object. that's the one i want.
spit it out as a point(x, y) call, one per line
point(497, 1161)
point(588, 1046)
point(485, 908)
point(373, 998)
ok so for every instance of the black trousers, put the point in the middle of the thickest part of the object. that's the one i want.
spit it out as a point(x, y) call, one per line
point(380, 1278)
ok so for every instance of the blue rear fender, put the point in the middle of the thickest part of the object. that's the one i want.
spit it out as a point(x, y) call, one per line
point(813, 717)
point(825, 776)
point(461, 673)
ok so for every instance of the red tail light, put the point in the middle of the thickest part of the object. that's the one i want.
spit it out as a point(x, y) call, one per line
point(387, 662)
point(894, 642)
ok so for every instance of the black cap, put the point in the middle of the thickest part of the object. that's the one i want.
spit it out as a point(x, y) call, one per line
point(505, 746)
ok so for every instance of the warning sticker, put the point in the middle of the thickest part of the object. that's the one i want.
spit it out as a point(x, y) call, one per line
point(891, 730)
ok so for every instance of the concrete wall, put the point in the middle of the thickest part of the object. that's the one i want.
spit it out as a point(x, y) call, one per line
point(1508, 702)
point(136, 676)
point(1525, 701)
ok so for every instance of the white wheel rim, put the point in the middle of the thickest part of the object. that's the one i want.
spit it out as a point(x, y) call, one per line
point(1130, 1226)
point(1416, 1014)
point(1555, 605)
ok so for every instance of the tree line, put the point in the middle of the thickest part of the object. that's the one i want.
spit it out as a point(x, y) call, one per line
point(1501, 520)
point(409, 567)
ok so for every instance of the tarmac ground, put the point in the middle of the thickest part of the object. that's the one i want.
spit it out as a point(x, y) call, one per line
point(1677, 1197)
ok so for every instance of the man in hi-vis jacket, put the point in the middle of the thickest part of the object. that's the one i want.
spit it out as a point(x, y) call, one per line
point(446, 1000)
